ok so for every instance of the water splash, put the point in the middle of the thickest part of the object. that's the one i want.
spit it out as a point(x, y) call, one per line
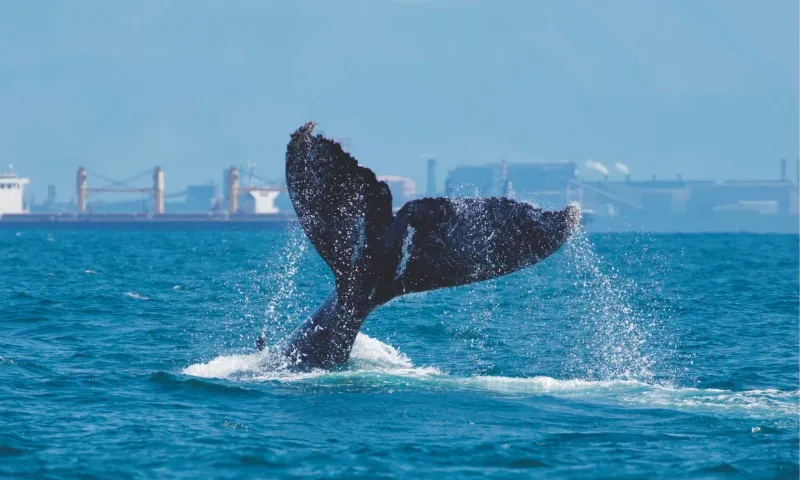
point(377, 364)
point(615, 339)
point(606, 334)
point(263, 298)
point(606, 331)
point(285, 305)
point(369, 356)
point(477, 332)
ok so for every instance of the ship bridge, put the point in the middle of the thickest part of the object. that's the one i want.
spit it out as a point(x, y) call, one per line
point(12, 188)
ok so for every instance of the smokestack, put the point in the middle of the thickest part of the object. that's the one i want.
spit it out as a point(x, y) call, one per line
point(605, 178)
point(51, 194)
point(628, 178)
point(654, 177)
point(680, 177)
point(784, 176)
point(431, 177)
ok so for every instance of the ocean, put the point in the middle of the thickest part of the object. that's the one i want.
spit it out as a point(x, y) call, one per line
point(131, 355)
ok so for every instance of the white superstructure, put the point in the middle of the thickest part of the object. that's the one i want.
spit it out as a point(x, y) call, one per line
point(263, 202)
point(12, 188)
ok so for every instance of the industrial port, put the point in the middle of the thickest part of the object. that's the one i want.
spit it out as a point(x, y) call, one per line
point(619, 203)
point(614, 202)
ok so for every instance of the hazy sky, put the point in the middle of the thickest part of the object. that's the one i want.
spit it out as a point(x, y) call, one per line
point(706, 88)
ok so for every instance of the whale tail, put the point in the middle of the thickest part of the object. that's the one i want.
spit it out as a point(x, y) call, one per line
point(429, 243)
point(342, 207)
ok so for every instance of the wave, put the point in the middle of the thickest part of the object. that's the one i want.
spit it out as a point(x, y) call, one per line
point(135, 296)
point(374, 361)
point(369, 356)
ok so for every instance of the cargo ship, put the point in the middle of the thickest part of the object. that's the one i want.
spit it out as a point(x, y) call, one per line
point(143, 221)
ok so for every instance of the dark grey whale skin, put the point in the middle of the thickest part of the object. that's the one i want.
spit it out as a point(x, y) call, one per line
point(376, 256)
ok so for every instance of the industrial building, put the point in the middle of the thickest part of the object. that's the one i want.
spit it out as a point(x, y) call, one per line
point(627, 204)
point(649, 205)
point(547, 184)
point(691, 198)
point(474, 181)
point(403, 189)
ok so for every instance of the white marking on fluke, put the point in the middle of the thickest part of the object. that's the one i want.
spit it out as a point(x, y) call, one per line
point(405, 252)
point(362, 239)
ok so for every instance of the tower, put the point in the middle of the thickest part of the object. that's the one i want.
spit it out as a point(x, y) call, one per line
point(431, 191)
point(233, 190)
point(158, 190)
point(80, 188)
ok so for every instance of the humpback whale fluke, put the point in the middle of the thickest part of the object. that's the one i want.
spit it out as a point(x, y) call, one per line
point(375, 256)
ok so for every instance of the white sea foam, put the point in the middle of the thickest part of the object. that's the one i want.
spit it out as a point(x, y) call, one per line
point(549, 385)
point(372, 355)
point(136, 296)
point(374, 361)
point(368, 356)
point(224, 366)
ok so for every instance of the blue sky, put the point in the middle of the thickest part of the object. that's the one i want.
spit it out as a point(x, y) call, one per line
point(706, 88)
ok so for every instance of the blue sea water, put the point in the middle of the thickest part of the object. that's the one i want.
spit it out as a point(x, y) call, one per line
point(130, 355)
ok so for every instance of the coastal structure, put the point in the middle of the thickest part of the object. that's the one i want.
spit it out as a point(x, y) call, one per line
point(83, 191)
point(431, 190)
point(550, 184)
point(250, 207)
point(654, 205)
point(403, 189)
point(251, 198)
point(612, 201)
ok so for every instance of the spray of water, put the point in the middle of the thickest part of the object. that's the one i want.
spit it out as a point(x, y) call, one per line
point(376, 364)
point(473, 327)
point(262, 299)
point(606, 334)
point(614, 337)
point(284, 304)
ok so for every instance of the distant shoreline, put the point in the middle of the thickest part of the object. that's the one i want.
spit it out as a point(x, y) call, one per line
point(718, 223)
point(144, 222)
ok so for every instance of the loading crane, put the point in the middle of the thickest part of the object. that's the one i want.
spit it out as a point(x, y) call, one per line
point(83, 191)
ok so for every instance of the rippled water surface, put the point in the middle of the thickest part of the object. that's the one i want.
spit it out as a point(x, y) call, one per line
point(131, 355)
